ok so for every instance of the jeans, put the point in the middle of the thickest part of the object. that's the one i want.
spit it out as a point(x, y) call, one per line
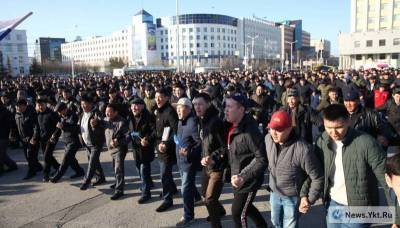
point(212, 185)
point(189, 192)
point(242, 207)
point(94, 166)
point(167, 181)
point(284, 210)
point(144, 170)
point(333, 203)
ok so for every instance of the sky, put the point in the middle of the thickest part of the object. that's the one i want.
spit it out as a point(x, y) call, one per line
point(68, 19)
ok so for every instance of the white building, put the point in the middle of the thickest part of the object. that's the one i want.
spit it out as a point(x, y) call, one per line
point(14, 52)
point(322, 48)
point(204, 40)
point(374, 37)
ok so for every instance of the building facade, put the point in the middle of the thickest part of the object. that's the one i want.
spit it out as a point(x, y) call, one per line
point(48, 49)
point(374, 37)
point(322, 48)
point(14, 53)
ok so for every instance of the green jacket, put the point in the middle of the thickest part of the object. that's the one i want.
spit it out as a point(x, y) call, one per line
point(363, 163)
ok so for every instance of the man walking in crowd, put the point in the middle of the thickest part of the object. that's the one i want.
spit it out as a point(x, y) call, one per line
point(47, 122)
point(6, 125)
point(166, 126)
point(214, 156)
point(291, 161)
point(69, 129)
point(92, 138)
point(116, 131)
point(143, 141)
point(353, 163)
point(188, 154)
point(245, 143)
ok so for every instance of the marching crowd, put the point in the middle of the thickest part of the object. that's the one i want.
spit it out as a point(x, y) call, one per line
point(318, 135)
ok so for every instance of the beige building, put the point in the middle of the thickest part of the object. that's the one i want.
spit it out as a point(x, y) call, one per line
point(374, 37)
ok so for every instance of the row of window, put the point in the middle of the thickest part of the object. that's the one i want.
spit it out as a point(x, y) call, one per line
point(198, 53)
point(205, 29)
point(205, 45)
point(380, 56)
point(17, 36)
point(9, 47)
point(100, 54)
point(95, 42)
point(381, 42)
point(205, 37)
point(97, 48)
point(77, 58)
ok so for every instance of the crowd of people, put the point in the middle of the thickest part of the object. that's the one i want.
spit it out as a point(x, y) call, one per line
point(318, 135)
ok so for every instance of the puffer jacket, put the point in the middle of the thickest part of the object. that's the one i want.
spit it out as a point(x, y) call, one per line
point(290, 164)
point(363, 164)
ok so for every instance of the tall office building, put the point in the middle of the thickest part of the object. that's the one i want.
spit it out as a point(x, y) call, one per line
point(48, 49)
point(375, 35)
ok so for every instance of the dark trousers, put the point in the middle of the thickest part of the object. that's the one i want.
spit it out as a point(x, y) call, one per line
point(4, 158)
point(31, 155)
point(144, 170)
point(189, 192)
point(212, 185)
point(94, 166)
point(69, 159)
point(118, 160)
point(167, 181)
point(49, 159)
point(242, 207)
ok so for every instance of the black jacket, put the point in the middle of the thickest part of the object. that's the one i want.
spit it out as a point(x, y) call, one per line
point(213, 135)
point(166, 117)
point(144, 126)
point(96, 134)
point(368, 121)
point(246, 144)
point(70, 129)
point(47, 121)
point(6, 122)
point(26, 125)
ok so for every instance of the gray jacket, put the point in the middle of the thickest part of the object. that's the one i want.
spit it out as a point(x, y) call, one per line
point(116, 129)
point(290, 164)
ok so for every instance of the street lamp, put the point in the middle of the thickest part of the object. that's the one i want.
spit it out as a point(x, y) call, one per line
point(291, 52)
point(177, 35)
point(252, 48)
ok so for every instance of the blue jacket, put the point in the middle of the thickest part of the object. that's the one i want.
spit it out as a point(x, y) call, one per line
point(188, 137)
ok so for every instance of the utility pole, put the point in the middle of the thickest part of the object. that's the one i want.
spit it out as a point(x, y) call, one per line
point(291, 53)
point(252, 49)
point(177, 36)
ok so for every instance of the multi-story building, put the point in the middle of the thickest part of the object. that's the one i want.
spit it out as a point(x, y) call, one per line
point(48, 49)
point(322, 48)
point(14, 53)
point(375, 35)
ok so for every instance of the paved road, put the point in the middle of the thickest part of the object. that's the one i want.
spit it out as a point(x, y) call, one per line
point(37, 204)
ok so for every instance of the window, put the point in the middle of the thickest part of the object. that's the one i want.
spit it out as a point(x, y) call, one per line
point(161, 40)
point(382, 43)
point(384, 19)
point(190, 37)
point(190, 29)
point(184, 30)
point(212, 45)
point(205, 29)
point(191, 45)
point(198, 37)
point(358, 57)
point(218, 30)
point(205, 37)
point(385, 6)
point(369, 43)
point(198, 45)
point(8, 37)
point(382, 56)
point(370, 57)
point(19, 37)
point(212, 29)
point(197, 29)
point(395, 56)
point(162, 47)
point(205, 45)
point(223, 30)
point(396, 41)
point(161, 32)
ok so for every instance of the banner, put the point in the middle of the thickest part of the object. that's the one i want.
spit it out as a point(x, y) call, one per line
point(151, 37)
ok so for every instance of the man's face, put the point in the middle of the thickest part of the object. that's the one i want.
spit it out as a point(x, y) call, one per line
point(233, 111)
point(333, 96)
point(161, 99)
point(127, 93)
point(111, 113)
point(137, 109)
point(86, 106)
point(183, 111)
point(351, 106)
point(66, 95)
point(147, 93)
point(42, 107)
point(112, 95)
point(200, 106)
point(280, 136)
point(396, 98)
point(336, 129)
point(63, 112)
point(20, 108)
point(178, 92)
point(5, 100)
point(259, 90)
point(394, 183)
point(292, 102)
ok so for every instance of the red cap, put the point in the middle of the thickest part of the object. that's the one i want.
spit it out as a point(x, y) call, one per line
point(280, 121)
